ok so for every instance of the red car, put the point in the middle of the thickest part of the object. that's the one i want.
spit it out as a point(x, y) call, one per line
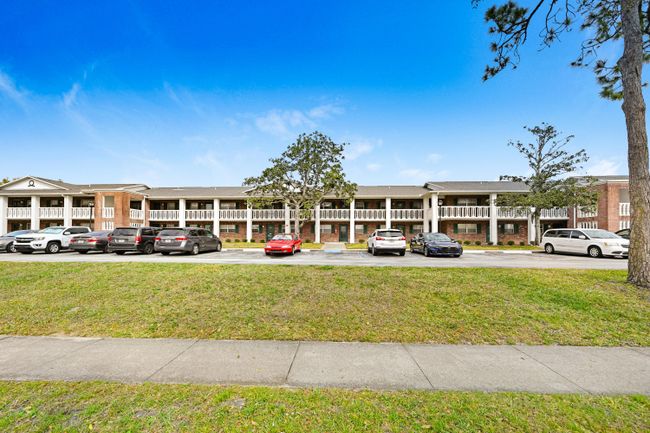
point(283, 244)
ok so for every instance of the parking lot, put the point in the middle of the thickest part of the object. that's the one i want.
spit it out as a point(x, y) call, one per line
point(489, 259)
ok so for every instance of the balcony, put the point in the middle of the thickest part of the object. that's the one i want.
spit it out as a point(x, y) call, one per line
point(560, 213)
point(516, 213)
point(624, 209)
point(199, 215)
point(163, 215)
point(136, 214)
point(108, 212)
point(19, 212)
point(464, 212)
point(370, 214)
point(587, 213)
point(268, 214)
point(83, 213)
point(50, 212)
point(312, 214)
point(232, 215)
point(406, 214)
point(335, 214)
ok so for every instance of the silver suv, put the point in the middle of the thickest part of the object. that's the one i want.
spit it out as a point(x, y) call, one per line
point(387, 241)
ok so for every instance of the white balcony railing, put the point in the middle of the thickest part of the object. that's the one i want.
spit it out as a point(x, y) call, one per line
point(624, 209)
point(163, 215)
point(19, 212)
point(83, 213)
point(136, 214)
point(312, 214)
point(268, 214)
point(370, 214)
point(587, 213)
point(561, 213)
point(335, 214)
point(464, 212)
point(108, 212)
point(512, 213)
point(50, 212)
point(406, 214)
point(199, 215)
point(232, 214)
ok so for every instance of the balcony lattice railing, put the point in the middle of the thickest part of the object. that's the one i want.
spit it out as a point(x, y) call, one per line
point(83, 213)
point(406, 214)
point(108, 212)
point(19, 212)
point(199, 214)
point(268, 214)
point(464, 212)
point(624, 209)
point(163, 215)
point(232, 214)
point(555, 213)
point(136, 214)
point(335, 214)
point(370, 214)
point(50, 212)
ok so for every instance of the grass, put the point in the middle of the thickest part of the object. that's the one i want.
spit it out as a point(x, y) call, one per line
point(95, 406)
point(239, 244)
point(496, 306)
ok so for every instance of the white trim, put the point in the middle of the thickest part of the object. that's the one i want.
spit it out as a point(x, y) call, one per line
point(32, 178)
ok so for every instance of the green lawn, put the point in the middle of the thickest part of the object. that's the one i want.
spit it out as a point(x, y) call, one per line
point(104, 407)
point(278, 302)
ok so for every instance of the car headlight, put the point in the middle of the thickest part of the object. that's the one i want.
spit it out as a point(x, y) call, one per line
point(611, 244)
point(39, 238)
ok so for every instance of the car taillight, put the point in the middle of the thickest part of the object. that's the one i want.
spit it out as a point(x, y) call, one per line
point(91, 240)
point(138, 239)
point(158, 238)
point(72, 241)
point(110, 239)
point(379, 238)
point(181, 238)
point(403, 238)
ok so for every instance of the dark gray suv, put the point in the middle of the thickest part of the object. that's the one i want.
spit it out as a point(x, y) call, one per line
point(125, 239)
point(186, 240)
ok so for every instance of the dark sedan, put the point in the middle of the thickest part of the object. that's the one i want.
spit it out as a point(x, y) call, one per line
point(7, 241)
point(436, 244)
point(93, 241)
point(625, 233)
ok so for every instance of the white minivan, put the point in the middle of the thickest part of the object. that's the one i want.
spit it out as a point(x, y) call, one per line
point(594, 242)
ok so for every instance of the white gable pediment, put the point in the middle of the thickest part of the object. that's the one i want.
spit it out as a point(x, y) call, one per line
point(30, 183)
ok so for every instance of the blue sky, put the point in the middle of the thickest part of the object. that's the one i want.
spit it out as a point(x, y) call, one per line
point(203, 93)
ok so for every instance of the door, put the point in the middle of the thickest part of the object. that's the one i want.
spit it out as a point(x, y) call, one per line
point(270, 231)
point(343, 233)
point(579, 242)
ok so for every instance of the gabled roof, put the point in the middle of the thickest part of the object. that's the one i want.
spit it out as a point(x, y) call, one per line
point(482, 186)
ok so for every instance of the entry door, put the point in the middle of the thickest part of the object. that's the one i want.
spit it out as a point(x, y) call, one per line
point(343, 233)
point(270, 231)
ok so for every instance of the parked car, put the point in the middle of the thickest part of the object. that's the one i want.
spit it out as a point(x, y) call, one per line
point(7, 241)
point(625, 233)
point(594, 242)
point(186, 240)
point(387, 241)
point(51, 240)
point(283, 244)
point(435, 244)
point(93, 241)
point(141, 239)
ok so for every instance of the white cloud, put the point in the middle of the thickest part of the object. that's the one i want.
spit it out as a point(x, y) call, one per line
point(208, 159)
point(357, 149)
point(373, 166)
point(325, 111)
point(283, 122)
point(70, 97)
point(434, 157)
point(416, 174)
point(604, 167)
point(11, 91)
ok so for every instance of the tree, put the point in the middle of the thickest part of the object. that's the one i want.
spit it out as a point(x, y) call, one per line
point(607, 22)
point(302, 176)
point(549, 184)
point(4, 180)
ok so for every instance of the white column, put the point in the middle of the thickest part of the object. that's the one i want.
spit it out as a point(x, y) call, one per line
point(3, 215)
point(145, 217)
point(287, 218)
point(532, 235)
point(494, 224)
point(317, 223)
point(35, 223)
point(388, 221)
point(67, 210)
point(216, 224)
point(434, 213)
point(249, 223)
point(352, 222)
point(181, 212)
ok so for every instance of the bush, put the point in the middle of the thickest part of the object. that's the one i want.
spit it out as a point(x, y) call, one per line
point(308, 241)
point(252, 241)
point(228, 240)
point(477, 243)
point(511, 243)
point(467, 242)
point(361, 241)
point(500, 243)
point(522, 243)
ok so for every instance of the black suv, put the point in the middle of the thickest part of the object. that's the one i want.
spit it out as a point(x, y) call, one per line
point(140, 239)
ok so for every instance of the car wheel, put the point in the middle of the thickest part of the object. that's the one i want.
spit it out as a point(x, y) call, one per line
point(549, 249)
point(11, 248)
point(374, 251)
point(148, 249)
point(105, 249)
point(119, 253)
point(267, 253)
point(52, 248)
point(195, 249)
point(426, 252)
point(218, 247)
point(595, 252)
point(82, 252)
point(402, 253)
point(293, 250)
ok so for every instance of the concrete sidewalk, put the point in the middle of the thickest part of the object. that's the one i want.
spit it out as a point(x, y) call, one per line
point(545, 369)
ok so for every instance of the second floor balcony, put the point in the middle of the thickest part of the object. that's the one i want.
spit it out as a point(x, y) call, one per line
point(624, 209)
point(464, 212)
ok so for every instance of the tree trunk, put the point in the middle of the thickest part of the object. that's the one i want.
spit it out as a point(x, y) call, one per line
point(538, 227)
point(296, 221)
point(631, 65)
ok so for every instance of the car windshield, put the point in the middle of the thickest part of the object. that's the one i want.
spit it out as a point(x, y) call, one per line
point(18, 232)
point(125, 232)
point(601, 234)
point(281, 238)
point(99, 233)
point(437, 237)
point(172, 232)
point(390, 233)
point(53, 230)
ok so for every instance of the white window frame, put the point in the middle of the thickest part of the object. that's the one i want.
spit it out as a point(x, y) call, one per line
point(465, 228)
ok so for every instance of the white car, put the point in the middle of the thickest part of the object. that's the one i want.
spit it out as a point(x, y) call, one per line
point(594, 242)
point(51, 240)
point(387, 241)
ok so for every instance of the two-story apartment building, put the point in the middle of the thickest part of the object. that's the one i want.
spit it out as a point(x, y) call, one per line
point(463, 210)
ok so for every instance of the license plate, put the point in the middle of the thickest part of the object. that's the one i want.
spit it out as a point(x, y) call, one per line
point(121, 240)
point(168, 241)
point(81, 242)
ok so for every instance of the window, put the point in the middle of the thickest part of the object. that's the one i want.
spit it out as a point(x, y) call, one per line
point(109, 201)
point(258, 228)
point(509, 229)
point(624, 195)
point(467, 228)
point(228, 205)
point(326, 205)
point(360, 229)
point(326, 228)
point(229, 228)
point(417, 228)
point(466, 201)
